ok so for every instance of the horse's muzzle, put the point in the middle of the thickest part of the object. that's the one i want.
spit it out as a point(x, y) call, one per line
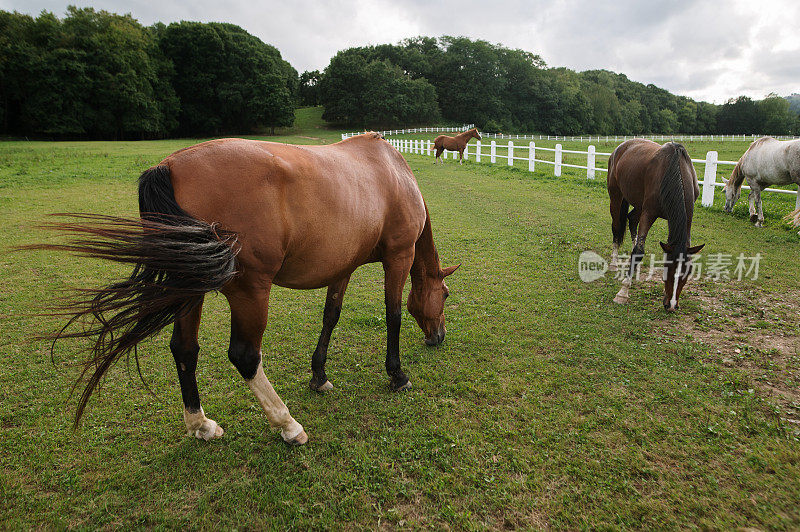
point(436, 338)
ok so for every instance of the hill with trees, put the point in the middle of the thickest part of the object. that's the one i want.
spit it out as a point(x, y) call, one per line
point(498, 88)
point(95, 74)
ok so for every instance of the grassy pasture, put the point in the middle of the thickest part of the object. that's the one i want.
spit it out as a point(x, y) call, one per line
point(546, 406)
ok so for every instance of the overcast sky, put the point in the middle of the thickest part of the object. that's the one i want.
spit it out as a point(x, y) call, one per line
point(707, 50)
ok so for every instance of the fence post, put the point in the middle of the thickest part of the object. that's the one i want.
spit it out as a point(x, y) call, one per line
point(590, 162)
point(492, 153)
point(531, 156)
point(797, 201)
point(557, 167)
point(709, 178)
point(478, 151)
point(510, 153)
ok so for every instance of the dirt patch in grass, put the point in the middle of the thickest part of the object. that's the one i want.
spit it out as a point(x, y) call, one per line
point(755, 331)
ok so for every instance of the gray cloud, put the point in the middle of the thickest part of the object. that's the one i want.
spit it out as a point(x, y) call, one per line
point(704, 49)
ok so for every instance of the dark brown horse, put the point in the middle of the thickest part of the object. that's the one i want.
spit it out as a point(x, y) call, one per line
point(457, 143)
point(658, 182)
point(238, 216)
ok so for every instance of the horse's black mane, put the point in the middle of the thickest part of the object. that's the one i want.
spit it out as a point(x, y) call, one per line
point(673, 202)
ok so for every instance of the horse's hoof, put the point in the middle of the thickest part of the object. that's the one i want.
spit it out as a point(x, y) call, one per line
point(322, 388)
point(300, 439)
point(759, 224)
point(620, 300)
point(402, 387)
point(209, 430)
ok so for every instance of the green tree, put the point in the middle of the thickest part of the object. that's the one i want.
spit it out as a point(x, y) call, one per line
point(227, 80)
point(776, 116)
point(91, 74)
point(358, 92)
point(738, 116)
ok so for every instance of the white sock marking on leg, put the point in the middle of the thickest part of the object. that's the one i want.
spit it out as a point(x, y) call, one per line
point(275, 409)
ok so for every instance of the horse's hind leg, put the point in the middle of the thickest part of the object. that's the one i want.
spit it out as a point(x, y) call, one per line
point(249, 305)
point(396, 268)
point(619, 215)
point(439, 152)
point(330, 317)
point(185, 350)
point(759, 210)
point(636, 257)
point(461, 157)
point(633, 222)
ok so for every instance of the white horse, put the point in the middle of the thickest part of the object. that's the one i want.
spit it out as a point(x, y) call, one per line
point(767, 161)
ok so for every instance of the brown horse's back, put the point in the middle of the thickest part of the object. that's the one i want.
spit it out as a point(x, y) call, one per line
point(636, 168)
point(312, 213)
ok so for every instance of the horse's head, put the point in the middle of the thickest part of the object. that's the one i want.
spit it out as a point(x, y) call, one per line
point(475, 133)
point(731, 195)
point(426, 304)
point(733, 188)
point(676, 273)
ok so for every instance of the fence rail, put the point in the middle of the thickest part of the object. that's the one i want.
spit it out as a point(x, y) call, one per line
point(623, 138)
point(392, 132)
point(577, 138)
point(710, 164)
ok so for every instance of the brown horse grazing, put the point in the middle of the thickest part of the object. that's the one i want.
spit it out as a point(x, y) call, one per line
point(238, 216)
point(457, 143)
point(658, 182)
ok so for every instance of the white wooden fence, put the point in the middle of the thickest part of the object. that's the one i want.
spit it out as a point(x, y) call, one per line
point(623, 138)
point(581, 138)
point(528, 153)
point(413, 130)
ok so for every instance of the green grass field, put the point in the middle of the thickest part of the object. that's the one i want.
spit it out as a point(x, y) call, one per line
point(546, 406)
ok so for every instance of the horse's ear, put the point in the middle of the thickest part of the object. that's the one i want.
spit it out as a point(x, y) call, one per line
point(666, 247)
point(450, 269)
point(695, 249)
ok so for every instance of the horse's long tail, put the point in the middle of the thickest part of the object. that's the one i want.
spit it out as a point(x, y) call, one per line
point(177, 259)
point(793, 218)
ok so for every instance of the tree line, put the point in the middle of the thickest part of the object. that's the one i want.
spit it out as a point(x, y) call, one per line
point(95, 74)
point(497, 88)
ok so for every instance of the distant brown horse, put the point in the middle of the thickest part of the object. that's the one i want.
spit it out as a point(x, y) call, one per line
point(238, 216)
point(658, 182)
point(457, 143)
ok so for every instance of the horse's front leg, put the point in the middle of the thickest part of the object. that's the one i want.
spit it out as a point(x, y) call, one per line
point(396, 267)
point(636, 258)
point(249, 302)
point(754, 199)
point(330, 317)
